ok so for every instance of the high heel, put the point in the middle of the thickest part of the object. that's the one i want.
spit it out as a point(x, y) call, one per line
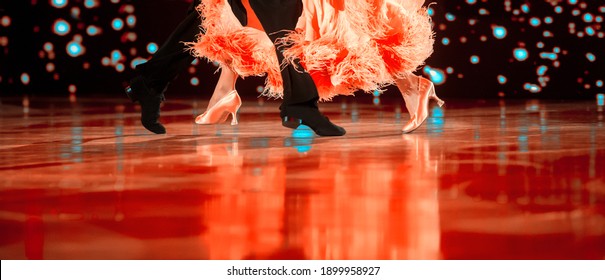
point(219, 112)
point(421, 100)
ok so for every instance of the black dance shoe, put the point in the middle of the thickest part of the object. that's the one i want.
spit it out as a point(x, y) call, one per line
point(150, 102)
point(294, 116)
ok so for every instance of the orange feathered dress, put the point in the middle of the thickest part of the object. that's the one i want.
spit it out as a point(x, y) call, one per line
point(345, 45)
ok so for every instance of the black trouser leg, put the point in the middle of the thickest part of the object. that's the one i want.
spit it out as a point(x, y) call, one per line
point(153, 77)
point(172, 58)
point(276, 16)
point(300, 93)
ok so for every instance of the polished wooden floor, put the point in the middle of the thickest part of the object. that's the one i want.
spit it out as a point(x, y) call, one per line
point(479, 180)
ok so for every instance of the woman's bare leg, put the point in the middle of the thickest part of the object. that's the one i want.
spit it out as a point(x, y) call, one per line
point(225, 84)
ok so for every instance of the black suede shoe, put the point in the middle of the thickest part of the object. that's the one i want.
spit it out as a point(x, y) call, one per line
point(150, 102)
point(294, 116)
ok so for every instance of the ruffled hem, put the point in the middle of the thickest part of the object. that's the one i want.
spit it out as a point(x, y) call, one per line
point(246, 51)
point(337, 69)
point(342, 57)
point(356, 45)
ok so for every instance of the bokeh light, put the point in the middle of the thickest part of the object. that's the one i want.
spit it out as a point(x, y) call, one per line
point(435, 75)
point(58, 3)
point(61, 27)
point(5, 21)
point(117, 24)
point(520, 54)
point(499, 32)
point(507, 46)
point(152, 48)
point(74, 49)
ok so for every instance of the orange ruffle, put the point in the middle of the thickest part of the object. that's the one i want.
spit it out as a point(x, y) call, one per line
point(345, 45)
point(247, 51)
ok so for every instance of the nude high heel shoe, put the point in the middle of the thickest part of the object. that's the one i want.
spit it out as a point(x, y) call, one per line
point(421, 100)
point(219, 112)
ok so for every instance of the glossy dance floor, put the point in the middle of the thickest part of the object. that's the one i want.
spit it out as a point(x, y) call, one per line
point(479, 180)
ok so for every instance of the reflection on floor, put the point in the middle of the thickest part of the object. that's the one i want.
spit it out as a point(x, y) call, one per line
point(479, 180)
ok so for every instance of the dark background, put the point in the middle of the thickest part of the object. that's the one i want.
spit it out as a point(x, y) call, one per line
point(576, 28)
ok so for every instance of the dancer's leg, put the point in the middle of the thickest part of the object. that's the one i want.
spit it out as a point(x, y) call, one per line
point(225, 100)
point(225, 84)
point(299, 105)
point(154, 76)
point(417, 92)
point(408, 94)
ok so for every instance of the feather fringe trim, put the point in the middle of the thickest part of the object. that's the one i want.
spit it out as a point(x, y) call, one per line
point(246, 51)
point(371, 44)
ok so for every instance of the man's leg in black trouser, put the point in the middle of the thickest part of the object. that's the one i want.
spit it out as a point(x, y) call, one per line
point(300, 93)
point(277, 16)
point(170, 59)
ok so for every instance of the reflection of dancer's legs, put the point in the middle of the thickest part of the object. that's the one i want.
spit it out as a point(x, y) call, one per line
point(299, 105)
point(171, 58)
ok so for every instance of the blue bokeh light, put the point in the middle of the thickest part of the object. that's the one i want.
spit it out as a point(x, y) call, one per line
point(93, 30)
point(91, 3)
point(532, 88)
point(135, 62)
point(61, 27)
point(58, 3)
point(75, 49)
point(499, 32)
point(303, 138)
point(152, 48)
point(131, 20)
point(117, 24)
point(590, 31)
point(25, 78)
point(437, 76)
point(502, 79)
point(116, 56)
point(591, 57)
point(542, 70)
point(551, 56)
point(520, 54)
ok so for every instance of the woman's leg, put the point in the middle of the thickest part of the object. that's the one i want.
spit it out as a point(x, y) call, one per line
point(417, 92)
point(225, 84)
point(409, 98)
point(224, 100)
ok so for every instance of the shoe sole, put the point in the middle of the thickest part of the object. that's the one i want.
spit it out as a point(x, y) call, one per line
point(408, 132)
point(295, 123)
